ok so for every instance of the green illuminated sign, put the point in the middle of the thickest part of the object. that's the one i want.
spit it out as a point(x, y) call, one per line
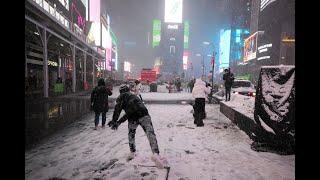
point(186, 35)
point(114, 38)
point(156, 33)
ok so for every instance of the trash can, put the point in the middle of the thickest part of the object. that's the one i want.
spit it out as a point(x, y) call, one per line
point(153, 87)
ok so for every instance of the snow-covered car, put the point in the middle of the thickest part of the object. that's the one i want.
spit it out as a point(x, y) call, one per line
point(243, 87)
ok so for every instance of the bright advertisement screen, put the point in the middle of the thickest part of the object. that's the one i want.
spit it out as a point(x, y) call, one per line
point(104, 36)
point(173, 11)
point(78, 11)
point(127, 66)
point(185, 60)
point(250, 47)
point(94, 11)
point(108, 46)
point(186, 35)
point(265, 3)
point(224, 48)
point(116, 61)
point(156, 33)
point(94, 34)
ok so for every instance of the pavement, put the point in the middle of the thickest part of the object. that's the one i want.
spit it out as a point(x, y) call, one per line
point(219, 150)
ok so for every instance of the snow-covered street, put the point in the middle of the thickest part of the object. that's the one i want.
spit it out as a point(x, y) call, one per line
point(219, 150)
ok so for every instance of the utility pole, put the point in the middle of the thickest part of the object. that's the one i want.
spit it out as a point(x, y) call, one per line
point(202, 65)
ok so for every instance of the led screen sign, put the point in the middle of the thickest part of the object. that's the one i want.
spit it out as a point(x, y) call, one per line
point(173, 11)
point(250, 47)
point(186, 35)
point(156, 33)
point(78, 13)
point(224, 48)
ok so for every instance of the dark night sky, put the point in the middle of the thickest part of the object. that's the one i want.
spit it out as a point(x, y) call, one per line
point(131, 20)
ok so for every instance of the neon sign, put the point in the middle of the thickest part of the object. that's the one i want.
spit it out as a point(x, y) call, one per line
point(79, 19)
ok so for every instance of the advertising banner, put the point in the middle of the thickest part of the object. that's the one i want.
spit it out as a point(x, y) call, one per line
point(127, 66)
point(156, 33)
point(224, 49)
point(185, 60)
point(173, 11)
point(186, 35)
point(148, 75)
point(78, 13)
point(250, 47)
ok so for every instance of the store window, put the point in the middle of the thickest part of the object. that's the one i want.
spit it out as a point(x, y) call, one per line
point(89, 72)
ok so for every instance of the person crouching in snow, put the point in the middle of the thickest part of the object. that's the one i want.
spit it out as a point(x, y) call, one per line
point(136, 114)
point(199, 92)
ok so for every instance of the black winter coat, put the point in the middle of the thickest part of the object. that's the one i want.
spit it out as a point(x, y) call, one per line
point(99, 99)
point(132, 105)
point(228, 79)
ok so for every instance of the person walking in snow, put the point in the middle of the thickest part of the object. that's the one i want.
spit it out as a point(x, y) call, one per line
point(199, 92)
point(137, 89)
point(228, 81)
point(178, 84)
point(137, 114)
point(99, 102)
point(193, 80)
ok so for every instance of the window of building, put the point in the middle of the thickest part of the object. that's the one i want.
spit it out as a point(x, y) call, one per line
point(172, 49)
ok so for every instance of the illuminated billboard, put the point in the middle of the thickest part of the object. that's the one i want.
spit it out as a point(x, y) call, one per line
point(156, 33)
point(94, 10)
point(78, 13)
point(173, 11)
point(186, 35)
point(185, 60)
point(265, 3)
point(108, 48)
point(114, 50)
point(250, 47)
point(127, 66)
point(224, 48)
point(94, 34)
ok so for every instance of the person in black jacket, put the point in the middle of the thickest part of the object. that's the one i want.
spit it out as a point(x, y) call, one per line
point(99, 102)
point(137, 114)
point(228, 81)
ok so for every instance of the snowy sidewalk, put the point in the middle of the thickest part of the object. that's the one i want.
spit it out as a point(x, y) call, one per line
point(219, 150)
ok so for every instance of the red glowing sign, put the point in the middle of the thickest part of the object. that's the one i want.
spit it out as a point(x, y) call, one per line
point(78, 12)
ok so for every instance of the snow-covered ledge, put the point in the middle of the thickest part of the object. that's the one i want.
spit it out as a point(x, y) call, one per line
point(240, 110)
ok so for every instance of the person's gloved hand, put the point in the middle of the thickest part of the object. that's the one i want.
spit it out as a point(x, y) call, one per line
point(115, 126)
point(111, 123)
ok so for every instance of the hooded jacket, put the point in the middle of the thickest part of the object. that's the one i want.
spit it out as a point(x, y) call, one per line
point(132, 105)
point(137, 89)
point(99, 97)
point(200, 90)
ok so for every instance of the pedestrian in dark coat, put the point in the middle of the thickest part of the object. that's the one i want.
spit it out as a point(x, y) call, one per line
point(192, 83)
point(99, 102)
point(228, 81)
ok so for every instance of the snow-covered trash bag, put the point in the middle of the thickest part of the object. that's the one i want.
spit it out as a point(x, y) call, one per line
point(274, 110)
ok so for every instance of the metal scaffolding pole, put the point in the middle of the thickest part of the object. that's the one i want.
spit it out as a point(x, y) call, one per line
point(74, 68)
point(59, 66)
point(44, 40)
point(26, 63)
point(93, 74)
point(85, 67)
